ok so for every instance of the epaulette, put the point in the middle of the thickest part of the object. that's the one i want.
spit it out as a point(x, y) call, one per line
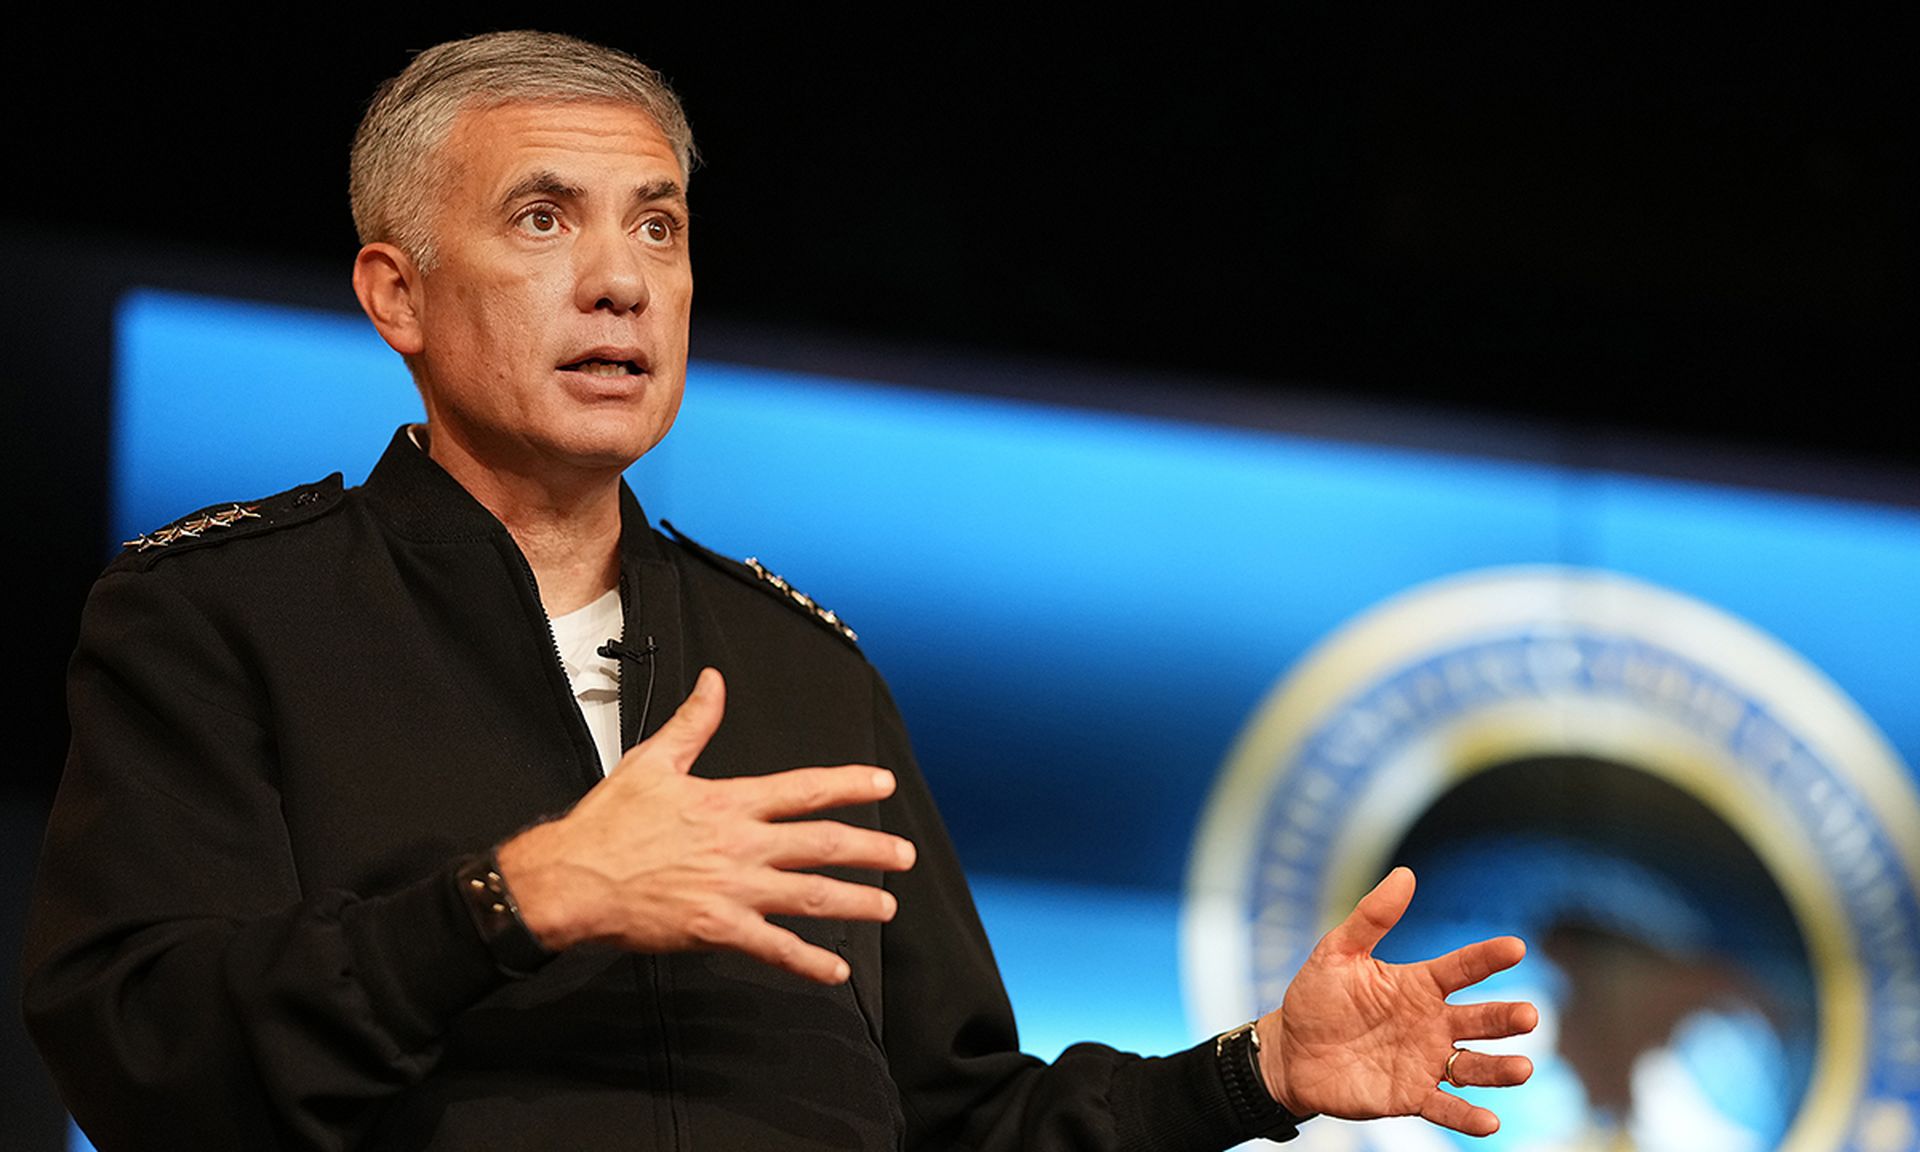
point(234, 520)
point(752, 572)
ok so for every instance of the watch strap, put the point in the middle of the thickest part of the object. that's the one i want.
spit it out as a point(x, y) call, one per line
point(1237, 1053)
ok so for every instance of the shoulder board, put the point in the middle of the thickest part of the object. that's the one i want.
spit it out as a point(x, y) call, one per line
point(218, 523)
point(751, 571)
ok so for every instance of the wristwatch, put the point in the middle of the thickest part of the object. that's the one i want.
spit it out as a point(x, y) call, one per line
point(1237, 1053)
point(489, 903)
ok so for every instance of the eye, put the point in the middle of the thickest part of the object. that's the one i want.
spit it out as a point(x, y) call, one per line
point(538, 221)
point(658, 231)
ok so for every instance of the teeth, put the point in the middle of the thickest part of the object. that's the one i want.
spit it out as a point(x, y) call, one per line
point(603, 367)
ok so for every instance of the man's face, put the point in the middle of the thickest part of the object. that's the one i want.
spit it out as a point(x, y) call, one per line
point(553, 324)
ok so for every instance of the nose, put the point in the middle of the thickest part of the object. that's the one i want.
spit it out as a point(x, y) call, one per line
point(609, 273)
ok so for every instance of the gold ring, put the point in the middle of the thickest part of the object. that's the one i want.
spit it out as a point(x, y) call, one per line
point(1447, 1075)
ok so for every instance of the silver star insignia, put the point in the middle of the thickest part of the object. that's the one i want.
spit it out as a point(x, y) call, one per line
point(193, 526)
point(825, 615)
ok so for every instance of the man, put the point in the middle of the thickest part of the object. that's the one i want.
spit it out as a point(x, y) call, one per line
point(269, 913)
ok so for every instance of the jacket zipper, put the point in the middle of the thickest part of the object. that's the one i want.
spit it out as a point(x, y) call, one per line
point(650, 963)
point(558, 667)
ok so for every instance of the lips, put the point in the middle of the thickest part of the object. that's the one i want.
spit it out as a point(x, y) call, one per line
point(607, 362)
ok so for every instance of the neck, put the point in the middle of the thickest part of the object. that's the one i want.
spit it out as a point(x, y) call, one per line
point(567, 526)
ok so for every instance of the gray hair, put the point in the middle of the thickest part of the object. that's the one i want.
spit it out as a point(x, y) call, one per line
point(395, 152)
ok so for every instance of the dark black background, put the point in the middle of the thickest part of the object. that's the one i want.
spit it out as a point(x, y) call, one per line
point(1681, 222)
point(1687, 224)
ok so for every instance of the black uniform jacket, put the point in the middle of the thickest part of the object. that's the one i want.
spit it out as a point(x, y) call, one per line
point(287, 734)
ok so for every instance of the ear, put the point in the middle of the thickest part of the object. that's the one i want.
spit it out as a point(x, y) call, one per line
point(388, 284)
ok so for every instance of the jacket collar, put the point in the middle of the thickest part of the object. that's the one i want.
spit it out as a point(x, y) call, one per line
point(422, 502)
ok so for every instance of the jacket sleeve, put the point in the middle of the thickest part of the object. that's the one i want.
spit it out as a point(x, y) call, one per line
point(184, 989)
point(950, 1036)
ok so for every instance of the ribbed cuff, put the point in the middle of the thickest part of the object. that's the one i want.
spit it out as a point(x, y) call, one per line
point(1182, 1102)
point(417, 955)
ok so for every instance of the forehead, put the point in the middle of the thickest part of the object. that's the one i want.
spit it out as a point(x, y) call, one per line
point(495, 143)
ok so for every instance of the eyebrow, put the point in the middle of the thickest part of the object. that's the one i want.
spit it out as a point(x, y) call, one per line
point(546, 182)
point(543, 182)
point(654, 191)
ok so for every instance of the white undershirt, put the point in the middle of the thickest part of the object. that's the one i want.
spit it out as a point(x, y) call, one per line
point(595, 678)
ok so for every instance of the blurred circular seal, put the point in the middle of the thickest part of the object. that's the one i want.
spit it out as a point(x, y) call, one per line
point(1712, 853)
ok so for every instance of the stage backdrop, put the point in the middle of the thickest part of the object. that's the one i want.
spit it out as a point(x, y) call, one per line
point(1185, 690)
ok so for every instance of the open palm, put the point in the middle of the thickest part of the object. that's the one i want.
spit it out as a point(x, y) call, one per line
point(1359, 1038)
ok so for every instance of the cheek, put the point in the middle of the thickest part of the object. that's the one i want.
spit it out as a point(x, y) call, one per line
point(498, 303)
point(676, 309)
point(507, 332)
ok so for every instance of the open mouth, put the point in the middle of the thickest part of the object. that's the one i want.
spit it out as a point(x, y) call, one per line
point(595, 366)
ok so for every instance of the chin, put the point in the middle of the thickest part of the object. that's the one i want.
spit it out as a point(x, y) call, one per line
point(612, 452)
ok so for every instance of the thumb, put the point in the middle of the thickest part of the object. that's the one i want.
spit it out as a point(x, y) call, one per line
point(685, 734)
point(1375, 915)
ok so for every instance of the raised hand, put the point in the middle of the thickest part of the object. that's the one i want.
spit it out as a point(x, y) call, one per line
point(655, 859)
point(1358, 1038)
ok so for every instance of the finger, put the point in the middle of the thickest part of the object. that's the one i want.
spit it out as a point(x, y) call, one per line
point(685, 734)
point(824, 898)
point(783, 949)
point(800, 791)
point(1493, 1021)
point(1376, 914)
point(817, 843)
point(1449, 1111)
point(1464, 967)
point(1484, 1071)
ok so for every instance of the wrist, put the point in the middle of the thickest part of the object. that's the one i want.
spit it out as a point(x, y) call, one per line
point(532, 863)
point(1272, 1070)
